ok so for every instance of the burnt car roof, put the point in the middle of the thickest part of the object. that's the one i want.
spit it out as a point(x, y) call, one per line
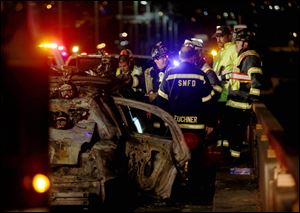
point(105, 85)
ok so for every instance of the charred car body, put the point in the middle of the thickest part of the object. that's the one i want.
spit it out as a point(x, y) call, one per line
point(96, 136)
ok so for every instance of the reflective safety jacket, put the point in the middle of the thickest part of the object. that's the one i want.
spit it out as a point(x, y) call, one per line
point(186, 93)
point(153, 78)
point(223, 65)
point(135, 73)
point(245, 81)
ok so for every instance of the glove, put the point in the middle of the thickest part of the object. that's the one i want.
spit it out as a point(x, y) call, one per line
point(225, 75)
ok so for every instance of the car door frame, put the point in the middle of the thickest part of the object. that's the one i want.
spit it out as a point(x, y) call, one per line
point(179, 147)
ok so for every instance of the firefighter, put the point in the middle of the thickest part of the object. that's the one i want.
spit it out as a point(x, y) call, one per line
point(197, 44)
point(127, 66)
point(153, 76)
point(186, 93)
point(129, 73)
point(124, 72)
point(135, 70)
point(244, 88)
point(222, 65)
point(201, 64)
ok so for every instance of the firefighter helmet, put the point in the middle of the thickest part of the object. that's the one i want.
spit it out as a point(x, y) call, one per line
point(159, 51)
point(221, 31)
point(187, 52)
point(126, 52)
point(196, 43)
point(245, 35)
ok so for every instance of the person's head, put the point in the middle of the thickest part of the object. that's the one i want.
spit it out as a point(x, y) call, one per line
point(129, 54)
point(195, 43)
point(160, 56)
point(188, 54)
point(222, 35)
point(126, 52)
point(124, 63)
point(244, 39)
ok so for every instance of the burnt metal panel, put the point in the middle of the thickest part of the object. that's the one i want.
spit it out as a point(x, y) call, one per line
point(65, 145)
point(150, 164)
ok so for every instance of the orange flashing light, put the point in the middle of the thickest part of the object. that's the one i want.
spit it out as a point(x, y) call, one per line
point(101, 46)
point(75, 49)
point(40, 183)
point(48, 45)
point(213, 52)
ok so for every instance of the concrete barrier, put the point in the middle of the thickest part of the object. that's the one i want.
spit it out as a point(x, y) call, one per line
point(277, 171)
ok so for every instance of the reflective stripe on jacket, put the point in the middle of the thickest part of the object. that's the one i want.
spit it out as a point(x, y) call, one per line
point(245, 81)
point(153, 78)
point(188, 95)
point(135, 73)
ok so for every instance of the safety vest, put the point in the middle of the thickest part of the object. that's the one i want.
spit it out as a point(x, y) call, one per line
point(224, 62)
point(152, 82)
point(137, 71)
point(226, 58)
point(148, 80)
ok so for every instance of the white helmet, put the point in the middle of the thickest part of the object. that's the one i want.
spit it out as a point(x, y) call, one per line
point(196, 43)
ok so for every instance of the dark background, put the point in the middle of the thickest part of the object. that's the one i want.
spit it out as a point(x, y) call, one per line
point(87, 23)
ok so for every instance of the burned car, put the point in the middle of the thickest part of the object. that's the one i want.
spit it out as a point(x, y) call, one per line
point(93, 65)
point(96, 136)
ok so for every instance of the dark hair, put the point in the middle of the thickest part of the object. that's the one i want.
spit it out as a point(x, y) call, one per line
point(124, 58)
point(127, 59)
point(187, 52)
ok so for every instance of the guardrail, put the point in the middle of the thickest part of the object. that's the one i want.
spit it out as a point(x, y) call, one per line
point(277, 171)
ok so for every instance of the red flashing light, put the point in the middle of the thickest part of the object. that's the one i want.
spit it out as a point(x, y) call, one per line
point(61, 47)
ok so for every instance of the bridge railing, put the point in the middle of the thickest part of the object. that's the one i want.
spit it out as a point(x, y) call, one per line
point(277, 171)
